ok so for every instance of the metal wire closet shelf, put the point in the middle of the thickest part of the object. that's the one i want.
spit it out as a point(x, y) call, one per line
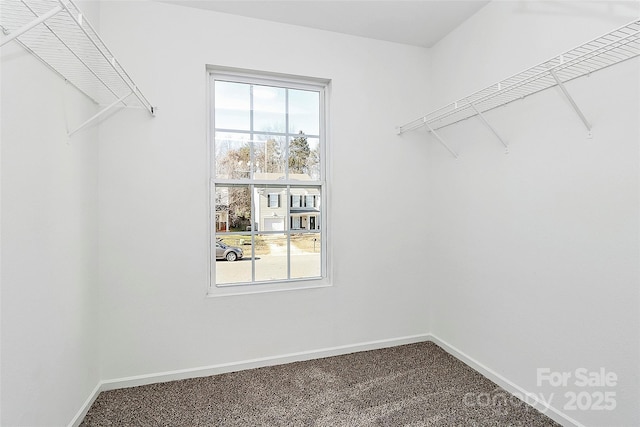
point(612, 48)
point(56, 32)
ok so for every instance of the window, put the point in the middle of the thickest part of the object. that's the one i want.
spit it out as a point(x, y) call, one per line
point(274, 200)
point(310, 201)
point(267, 145)
point(295, 222)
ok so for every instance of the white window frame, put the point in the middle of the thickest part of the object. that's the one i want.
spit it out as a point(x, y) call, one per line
point(292, 82)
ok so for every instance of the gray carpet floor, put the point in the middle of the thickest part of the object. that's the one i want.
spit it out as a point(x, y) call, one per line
point(410, 385)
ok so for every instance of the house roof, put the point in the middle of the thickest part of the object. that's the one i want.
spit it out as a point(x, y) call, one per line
point(304, 210)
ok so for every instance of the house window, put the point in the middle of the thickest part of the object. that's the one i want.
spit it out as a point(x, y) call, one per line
point(267, 145)
point(273, 200)
point(295, 222)
point(310, 201)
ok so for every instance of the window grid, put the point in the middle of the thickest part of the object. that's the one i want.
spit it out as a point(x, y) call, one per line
point(302, 200)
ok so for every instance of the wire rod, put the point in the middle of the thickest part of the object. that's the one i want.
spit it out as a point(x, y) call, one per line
point(612, 48)
point(30, 25)
point(59, 35)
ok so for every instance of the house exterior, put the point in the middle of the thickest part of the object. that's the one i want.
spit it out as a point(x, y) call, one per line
point(222, 220)
point(222, 211)
point(272, 202)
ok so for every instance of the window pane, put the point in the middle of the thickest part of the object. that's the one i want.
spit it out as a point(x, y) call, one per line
point(304, 208)
point(232, 155)
point(269, 157)
point(232, 106)
point(305, 255)
point(232, 208)
point(304, 160)
point(270, 208)
point(233, 259)
point(269, 109)
point(313, 161)
point(221, 210)
point(272, 265)
point(304, 112)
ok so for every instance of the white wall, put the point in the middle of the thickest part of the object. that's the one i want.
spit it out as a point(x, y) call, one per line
point(49, 355)
point(154, 204)
point(534, 255)
point(524, 260)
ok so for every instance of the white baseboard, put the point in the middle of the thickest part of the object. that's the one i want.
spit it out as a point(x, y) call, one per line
point(222, 368)
point(75, 422)
point(551, 412)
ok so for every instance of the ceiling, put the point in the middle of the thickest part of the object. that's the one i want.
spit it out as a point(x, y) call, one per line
point(414, 22)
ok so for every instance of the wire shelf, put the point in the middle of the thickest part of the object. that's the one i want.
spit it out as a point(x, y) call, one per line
point(610, 49)
point(58, 34)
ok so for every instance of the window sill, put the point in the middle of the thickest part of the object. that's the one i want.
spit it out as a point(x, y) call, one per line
point(250, 289)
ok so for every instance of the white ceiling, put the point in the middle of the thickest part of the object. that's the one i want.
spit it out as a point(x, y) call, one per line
point(414, 22)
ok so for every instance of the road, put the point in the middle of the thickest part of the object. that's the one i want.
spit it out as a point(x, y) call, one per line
point(269, 267)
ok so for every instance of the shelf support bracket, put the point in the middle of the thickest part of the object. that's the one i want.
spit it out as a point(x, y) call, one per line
point(440, 139)
point(39, 20)
point(100, 113)
point(571, 101)
point(488, 125)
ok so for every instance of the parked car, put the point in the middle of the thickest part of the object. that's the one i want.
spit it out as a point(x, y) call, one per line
point(230, 253)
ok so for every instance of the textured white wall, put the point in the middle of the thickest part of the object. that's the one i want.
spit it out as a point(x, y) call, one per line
point(534, 255)
point(153, 205)
point(49, 356)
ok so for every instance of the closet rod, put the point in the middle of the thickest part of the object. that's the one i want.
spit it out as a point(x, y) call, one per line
point(609, 49)
point(30, 25)
point(58, 34)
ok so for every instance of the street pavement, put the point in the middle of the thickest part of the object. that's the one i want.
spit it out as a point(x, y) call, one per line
point(269, 267)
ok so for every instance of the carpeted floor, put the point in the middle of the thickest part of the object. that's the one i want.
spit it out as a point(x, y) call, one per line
point(411, 385)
